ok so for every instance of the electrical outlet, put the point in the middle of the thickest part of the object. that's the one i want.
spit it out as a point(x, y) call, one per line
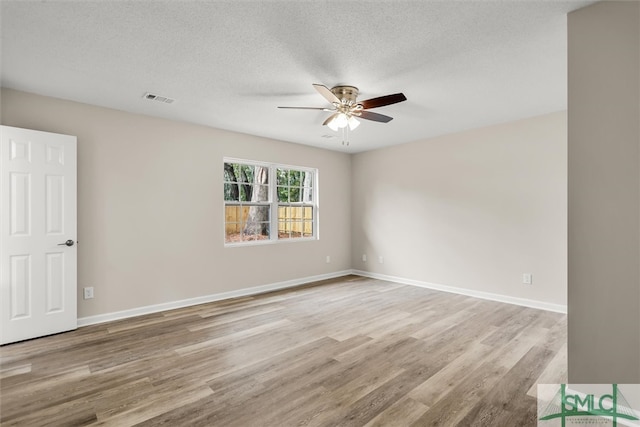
point(527, 278)
point(364, 257)
point(88, 292)
point(328, 259)
point(381, 259)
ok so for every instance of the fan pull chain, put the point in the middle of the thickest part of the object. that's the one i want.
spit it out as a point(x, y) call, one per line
point(345, 139)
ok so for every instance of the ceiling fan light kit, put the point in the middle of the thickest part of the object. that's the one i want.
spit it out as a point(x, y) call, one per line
point(345, 108)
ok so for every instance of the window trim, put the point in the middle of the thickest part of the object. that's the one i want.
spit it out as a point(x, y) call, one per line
point(273, 203)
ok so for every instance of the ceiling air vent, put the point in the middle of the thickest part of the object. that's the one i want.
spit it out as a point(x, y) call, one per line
point(153, 97)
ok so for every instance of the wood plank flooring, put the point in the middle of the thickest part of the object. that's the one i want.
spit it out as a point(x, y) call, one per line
point(345, 352)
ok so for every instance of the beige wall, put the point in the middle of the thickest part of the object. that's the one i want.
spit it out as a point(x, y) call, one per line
point(604, 193)
point(150, 205)
point(472, 210)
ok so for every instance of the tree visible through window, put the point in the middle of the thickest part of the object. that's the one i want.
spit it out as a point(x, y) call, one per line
point(257, 209)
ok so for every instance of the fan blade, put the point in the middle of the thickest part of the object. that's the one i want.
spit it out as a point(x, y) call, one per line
point(368, 115)
point(326, 92)
point(307, 108)
point(331, 117)
point(383, 100)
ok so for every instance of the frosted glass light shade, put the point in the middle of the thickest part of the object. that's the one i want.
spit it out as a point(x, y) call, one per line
point(333, 125)
point(341, 121)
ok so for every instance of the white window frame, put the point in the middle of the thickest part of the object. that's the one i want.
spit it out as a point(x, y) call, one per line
point(273, 203)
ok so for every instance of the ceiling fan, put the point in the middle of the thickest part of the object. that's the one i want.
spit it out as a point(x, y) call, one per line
point(346, 108)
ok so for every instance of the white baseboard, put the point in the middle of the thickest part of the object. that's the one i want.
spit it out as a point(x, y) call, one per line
point(558, 308)
point(149, 309)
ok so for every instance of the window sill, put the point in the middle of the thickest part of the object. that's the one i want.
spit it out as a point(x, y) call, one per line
point(269, 242)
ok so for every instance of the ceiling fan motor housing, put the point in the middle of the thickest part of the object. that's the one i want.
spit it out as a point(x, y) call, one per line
point(346, 94)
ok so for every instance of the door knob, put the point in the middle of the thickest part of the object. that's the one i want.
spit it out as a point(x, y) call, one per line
point(67, 243)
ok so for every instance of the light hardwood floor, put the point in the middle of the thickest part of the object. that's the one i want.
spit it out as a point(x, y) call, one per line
point(346, 352)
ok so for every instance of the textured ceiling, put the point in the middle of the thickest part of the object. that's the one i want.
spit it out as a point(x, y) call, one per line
point(229, 64)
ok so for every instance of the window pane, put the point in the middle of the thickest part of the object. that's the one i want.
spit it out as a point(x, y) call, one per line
point(308, 213)
point(284, 228)
point(299, 213)
point(307, 179)
point(232, 213)
point(284, 213)
point(294, 178)
point(261, 175)
point(265, 231)
point(283, 178)
point(232, 226)
point(231, 192)
point(230, 172)
point(245, 192)
point(260, 193)
point(294, 194)
point(257, 222)
point(245, 173)
point(283, 194)
point(232, 233)
point(308, 229)
point(307, 195)
point(260, 232)
point(296, 229)
point(295, 221)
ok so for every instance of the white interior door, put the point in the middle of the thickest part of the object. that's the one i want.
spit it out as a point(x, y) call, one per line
point(38, 265)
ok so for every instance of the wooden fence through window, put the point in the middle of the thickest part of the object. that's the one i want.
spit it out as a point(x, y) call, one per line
point(291, 219)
